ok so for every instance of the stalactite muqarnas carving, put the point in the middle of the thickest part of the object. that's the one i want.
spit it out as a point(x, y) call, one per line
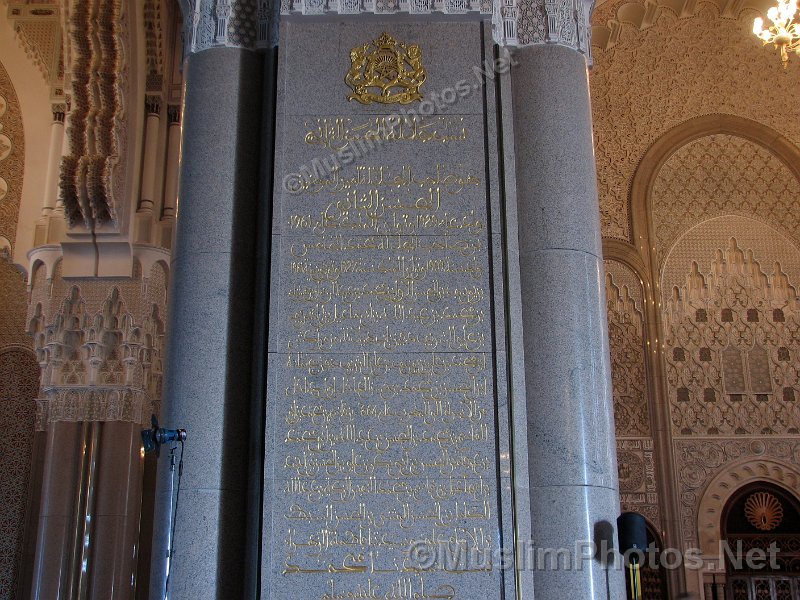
point(102, 366)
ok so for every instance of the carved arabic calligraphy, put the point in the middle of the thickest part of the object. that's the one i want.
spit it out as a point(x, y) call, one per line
point(336, 133)
point(384, 431)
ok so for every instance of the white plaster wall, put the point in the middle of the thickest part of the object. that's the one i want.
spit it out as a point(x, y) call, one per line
point(37, 115)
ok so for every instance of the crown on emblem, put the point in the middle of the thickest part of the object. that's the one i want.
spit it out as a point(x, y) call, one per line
point(385, 71)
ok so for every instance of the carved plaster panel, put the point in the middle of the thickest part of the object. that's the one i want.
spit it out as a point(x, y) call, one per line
point(638, 491)
point(626, 338)
point(99, 344)
point(154, 45)
point(732, 343)
point(38, 29)
point(675, 69)
point(12, 157)
point(712, 469)
point(636, 461)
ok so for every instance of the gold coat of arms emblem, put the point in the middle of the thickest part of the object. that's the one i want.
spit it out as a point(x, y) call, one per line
point(385, 71)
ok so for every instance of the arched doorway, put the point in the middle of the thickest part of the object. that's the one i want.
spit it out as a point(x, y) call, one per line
point(757, 517)
point(653, 574)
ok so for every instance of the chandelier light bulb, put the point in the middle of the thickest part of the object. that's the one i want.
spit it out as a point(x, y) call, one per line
point(784, 32)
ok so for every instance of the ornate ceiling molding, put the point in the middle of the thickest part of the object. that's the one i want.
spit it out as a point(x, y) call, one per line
point(38, 29)
point(253, 23)
point(610, 15)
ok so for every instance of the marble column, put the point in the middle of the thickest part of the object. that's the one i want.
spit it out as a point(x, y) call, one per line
point(173, 155)
point(573, 479)
point(54, 160)
point(209, 356)
point(153, 110)
point(89, 521)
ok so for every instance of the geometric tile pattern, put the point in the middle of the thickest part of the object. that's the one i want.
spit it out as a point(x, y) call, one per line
point(19, 383)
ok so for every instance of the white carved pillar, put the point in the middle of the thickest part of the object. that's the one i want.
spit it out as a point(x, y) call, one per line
point(173, 156)
point(531, 22)
point(65, 151)
point(54, 159)
point(153, 108)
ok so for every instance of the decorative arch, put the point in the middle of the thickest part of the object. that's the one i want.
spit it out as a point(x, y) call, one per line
point(12, 161)
point(693, 129)
point(726, 483)
point(655, 581)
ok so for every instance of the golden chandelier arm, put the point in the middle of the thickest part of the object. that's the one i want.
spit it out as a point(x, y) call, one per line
point(784, 33)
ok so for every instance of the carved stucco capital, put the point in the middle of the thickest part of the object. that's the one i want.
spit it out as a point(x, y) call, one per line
point(228, 23)
point(531, 22)
point(100, 347)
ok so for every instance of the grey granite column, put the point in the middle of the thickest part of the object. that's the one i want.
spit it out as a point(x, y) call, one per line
point(208, 372)
point(573, 479)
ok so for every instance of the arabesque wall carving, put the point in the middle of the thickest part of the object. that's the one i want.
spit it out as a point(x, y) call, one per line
point(626, 338)
point(717, 175)
point(636, 454)
point(699, 462)
point(651, 80)
point(12, 153)
point(638, 488)
point(12, 307)
point(732, 341)
point(154, 46)
point(19, 376)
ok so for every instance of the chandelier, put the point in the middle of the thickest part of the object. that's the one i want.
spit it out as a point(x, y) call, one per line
point(784, 32)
